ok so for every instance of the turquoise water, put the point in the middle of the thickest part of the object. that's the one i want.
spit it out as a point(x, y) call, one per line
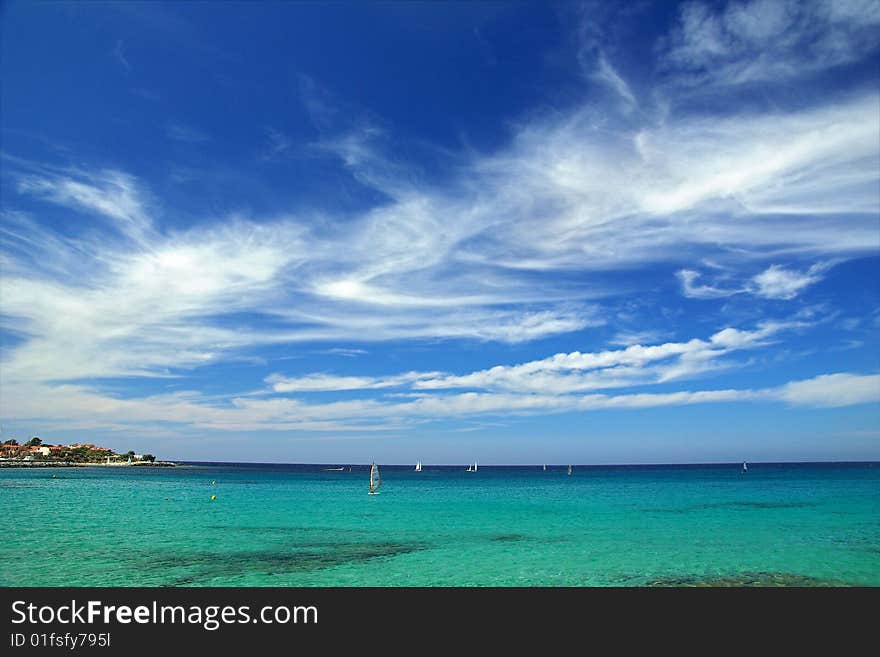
point(803, 524)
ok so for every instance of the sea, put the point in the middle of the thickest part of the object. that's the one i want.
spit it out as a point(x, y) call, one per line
point(222, 524)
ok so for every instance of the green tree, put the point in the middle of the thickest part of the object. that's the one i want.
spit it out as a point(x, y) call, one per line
point(11, 441)
point(149, 457)
point(33, 442)
point(78, 454)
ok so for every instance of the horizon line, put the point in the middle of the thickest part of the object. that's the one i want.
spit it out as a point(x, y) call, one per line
point(530, 465)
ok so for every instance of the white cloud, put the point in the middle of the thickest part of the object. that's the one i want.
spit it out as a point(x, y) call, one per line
point(689, 289)
point(768, 40)
point(144, 312)
point(566, 373)
point(573, 195)
point(457, 262)
point(348, 352)
point(607, 74)
point(775, 282)
point(805, 162)
point(552, 384)
point(832, 390)
point(113, 194)
point(328, 382)
point(70, 406)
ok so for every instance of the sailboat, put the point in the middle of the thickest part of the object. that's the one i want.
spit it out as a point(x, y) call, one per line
point(472, 468)
point(419, 466)
point(569, 471)
point(745, 467)
point(375, 480)
point(545, 467)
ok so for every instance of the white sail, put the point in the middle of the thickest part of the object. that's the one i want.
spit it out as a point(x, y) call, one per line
point(545, 467)
point(375, 479)
point(569, 470)
point(475, 466)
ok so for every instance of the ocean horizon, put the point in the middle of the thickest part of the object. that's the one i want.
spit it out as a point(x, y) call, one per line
point(274, 524)
point(708, 464)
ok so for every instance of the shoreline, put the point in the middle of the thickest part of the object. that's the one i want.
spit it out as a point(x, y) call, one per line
point(74, 464)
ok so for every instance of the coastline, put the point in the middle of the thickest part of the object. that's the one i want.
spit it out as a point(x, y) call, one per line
point(74, 464)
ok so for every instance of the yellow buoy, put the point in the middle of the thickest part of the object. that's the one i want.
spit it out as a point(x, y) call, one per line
point(213, 497)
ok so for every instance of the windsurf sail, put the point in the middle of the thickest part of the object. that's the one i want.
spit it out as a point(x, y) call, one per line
point(375, 479)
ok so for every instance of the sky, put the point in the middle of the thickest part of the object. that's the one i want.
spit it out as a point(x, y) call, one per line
point(511, 233)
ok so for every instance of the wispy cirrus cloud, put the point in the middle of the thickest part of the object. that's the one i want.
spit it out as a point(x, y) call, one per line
point(768, 40)
point(348, 352)
point(108, 193)
point(277, 144)
point(434, 263)
point(322, 107)
point(512, 245)
point(608, 75)
point(119, 55)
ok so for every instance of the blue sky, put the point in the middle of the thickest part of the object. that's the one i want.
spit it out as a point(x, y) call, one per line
point(504, 232)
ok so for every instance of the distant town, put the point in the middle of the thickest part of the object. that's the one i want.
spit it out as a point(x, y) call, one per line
point(35, 453)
